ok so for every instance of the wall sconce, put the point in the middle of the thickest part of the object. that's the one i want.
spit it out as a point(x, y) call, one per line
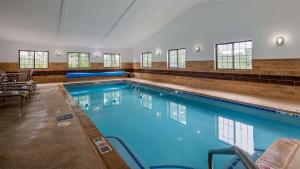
point(58, 53)
point(158, 52)
point(97, 54)
point(280, 41)
point(198, 49)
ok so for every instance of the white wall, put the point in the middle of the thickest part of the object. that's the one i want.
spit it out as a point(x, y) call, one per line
point(231, 20)
point(9, 52)
point(205, 24)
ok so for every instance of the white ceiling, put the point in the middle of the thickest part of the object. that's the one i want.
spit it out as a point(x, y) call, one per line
point(87, 23)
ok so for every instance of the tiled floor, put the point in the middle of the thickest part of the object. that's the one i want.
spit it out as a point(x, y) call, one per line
point(30, 138)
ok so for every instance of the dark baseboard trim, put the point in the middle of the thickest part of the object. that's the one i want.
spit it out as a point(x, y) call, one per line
point(243, 77)
point(255, 78)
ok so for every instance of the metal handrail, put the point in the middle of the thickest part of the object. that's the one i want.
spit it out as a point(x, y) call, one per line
point(246, 160)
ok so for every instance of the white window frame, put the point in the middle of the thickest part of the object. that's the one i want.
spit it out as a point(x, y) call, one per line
point(147, 59)
point(79, 60)
point(232, 54)
point(34, 59)
point(177, 65)
point(110, 56)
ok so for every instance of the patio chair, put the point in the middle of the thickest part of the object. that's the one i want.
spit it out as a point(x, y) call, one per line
point(6, 90)
point(12, 82)
point(27, 77)
point(23, 79)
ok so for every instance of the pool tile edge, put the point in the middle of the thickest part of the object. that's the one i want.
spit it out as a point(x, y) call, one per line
point(112, 159)
point(274, 109)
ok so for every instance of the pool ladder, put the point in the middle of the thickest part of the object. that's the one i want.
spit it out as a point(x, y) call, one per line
point(244, 157)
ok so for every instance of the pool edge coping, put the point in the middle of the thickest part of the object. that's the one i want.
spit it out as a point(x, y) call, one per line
point(282, 111)
point(90, 127)
point(111, 159)
point(200, 94)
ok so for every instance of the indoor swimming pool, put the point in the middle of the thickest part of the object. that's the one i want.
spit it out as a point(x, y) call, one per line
point(154, 127)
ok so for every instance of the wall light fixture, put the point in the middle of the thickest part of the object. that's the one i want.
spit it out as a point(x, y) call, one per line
point(280, 41)
point(158, 52)
point(198, 49)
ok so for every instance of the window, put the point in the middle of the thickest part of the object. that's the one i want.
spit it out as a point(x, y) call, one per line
point(111, 60)
point(177, 112)
point(236, 133)
point(147, 59)
point(236, 55)
point(112, 98)
point(29, 59)
point(84, 101)
point(147, 101)
point(78, 59)
point(176, 58)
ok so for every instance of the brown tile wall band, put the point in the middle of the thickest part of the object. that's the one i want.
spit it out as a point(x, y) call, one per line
point(255, 78)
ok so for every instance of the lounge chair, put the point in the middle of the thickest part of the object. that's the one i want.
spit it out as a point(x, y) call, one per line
point(21, 80)
point(9, 91)
point(12, 82)
point(25, 77)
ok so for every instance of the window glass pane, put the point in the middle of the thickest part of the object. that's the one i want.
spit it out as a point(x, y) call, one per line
point(112, 98)
point(225, 56)
point(116, 60)
point(111, 60)
point(181, 58)
point(147, 59)
point(73, 60)
point(84, 60)
point(243, 55)
point(78, 60)
point(41, 60)
point(177, 112)
point(147, 101)
point(26, 59)
point(236, 55)
point(144, 60)
point(177, 58)
point(107, 60)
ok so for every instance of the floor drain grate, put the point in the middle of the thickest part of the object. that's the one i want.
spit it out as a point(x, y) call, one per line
point(64, 117)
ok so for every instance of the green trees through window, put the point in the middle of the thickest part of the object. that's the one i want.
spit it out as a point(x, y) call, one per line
point(78, 60)
point(111, 60)
point(177, 58)
point(236, 55)
point(147, 59)
point(29, 59)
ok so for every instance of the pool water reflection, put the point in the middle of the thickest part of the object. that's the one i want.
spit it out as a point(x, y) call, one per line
point(166, 127)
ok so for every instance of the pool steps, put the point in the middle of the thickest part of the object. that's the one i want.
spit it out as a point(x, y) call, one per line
point(139, 164)
point(128, 150)
point(234, 164)
point(237, 164)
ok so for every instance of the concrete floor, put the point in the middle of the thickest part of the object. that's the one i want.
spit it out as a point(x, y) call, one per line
point(30, 137)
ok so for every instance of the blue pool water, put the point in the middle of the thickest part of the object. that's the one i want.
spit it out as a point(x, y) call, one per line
point(167, 127)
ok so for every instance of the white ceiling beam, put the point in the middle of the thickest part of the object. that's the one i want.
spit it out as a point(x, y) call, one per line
point(116, 23)
point(63, 10)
